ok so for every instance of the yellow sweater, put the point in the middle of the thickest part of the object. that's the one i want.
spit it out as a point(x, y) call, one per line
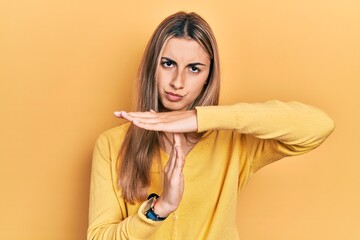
point(241, 139)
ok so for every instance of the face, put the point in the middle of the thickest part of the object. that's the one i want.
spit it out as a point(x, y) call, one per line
point(182, 72)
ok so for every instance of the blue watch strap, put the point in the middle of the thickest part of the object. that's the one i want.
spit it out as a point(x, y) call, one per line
point(149, 213)
point(153, 216)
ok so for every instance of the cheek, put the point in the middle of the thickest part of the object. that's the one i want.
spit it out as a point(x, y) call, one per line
point(199, 81)
point(198, 88)
point(159, 78)
point(163, 77)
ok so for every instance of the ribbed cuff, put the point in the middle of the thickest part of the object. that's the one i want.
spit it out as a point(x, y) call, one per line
point(143, 226)
point(215, 117)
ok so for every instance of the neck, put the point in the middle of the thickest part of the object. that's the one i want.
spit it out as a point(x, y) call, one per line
point(187, 143)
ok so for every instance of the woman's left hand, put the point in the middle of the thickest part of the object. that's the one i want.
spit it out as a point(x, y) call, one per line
point(175, 121)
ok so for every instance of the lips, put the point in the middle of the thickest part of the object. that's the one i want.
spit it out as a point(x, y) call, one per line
point(173, 97)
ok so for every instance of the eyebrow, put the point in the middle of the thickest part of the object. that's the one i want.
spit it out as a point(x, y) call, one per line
point(190, 64)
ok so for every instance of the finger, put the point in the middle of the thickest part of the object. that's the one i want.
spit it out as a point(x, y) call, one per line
point(179, 152)
point(154, 125)
point(143, 114)
point(162, 126)
point(148, 126)
point(155, 118)
point(152, 114)
point(122, 114)
point(151, 120)
point(167, 166)
point(177, 139)
point(172, 160)
point(117, 114)
point(179, 164)
point(126, 116)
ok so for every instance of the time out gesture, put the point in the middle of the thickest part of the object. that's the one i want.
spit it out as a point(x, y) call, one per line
point(176, 122)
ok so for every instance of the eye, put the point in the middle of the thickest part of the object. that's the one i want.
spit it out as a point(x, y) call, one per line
point(194, 69)
point(167, 64)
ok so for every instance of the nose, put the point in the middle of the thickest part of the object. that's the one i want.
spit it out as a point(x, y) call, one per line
point(178, 80)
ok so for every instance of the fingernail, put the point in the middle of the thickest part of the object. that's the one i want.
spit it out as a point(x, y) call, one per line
point(117, 114)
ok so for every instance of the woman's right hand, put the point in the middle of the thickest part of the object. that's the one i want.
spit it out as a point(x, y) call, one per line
point(173, 190)
point(173, 121)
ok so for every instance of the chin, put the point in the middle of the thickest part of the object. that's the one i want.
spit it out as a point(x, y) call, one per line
point(173, 106)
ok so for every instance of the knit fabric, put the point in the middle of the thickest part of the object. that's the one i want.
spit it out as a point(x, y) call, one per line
point(239, 140)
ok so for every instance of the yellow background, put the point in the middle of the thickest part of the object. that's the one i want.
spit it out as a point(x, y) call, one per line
point(67, 65)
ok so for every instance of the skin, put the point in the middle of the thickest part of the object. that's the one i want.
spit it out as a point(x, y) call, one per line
point(184, 68)
point(181, 75)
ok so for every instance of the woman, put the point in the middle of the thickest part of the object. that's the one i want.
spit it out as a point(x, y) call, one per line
point(193, 155)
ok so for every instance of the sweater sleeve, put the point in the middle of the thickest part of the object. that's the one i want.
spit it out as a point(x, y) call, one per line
point(272, 130)
point(108, 218)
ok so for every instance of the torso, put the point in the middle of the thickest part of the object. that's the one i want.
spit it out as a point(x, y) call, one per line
point(186, 146)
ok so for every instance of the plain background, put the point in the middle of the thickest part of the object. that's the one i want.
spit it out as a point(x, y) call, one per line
point(67, 65)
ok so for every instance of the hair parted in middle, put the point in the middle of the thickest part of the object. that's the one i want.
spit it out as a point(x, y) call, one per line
point(140, 146)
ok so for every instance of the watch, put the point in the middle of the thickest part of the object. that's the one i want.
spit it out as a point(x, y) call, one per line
point(149, 208)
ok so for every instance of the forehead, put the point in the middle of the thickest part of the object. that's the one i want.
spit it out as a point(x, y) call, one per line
point(185, 50)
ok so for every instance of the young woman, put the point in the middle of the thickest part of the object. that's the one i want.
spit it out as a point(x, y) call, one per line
point(175, 169)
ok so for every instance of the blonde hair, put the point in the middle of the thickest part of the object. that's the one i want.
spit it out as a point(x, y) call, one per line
point(140, 146)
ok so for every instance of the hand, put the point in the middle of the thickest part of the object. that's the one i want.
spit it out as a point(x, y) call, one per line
point(175, 121)
point(173, 190)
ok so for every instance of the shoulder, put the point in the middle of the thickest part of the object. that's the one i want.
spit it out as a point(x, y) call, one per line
point(116, 131)
point(113, 136)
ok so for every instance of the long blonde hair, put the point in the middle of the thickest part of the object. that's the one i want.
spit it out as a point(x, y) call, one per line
point(140, 146)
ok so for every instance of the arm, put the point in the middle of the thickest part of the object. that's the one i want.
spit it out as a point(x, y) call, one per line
point(291, 123)
point(108, 218)
point(273, 129)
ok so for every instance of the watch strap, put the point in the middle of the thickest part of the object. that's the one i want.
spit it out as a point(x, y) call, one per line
point(149, 213)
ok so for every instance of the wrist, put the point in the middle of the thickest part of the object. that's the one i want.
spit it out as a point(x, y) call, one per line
point(149, 208)
point(161, 208)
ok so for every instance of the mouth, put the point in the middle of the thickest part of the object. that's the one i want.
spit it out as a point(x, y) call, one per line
point(173, 97)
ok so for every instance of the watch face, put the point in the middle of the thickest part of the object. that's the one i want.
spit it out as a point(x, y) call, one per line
point(148, 205)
